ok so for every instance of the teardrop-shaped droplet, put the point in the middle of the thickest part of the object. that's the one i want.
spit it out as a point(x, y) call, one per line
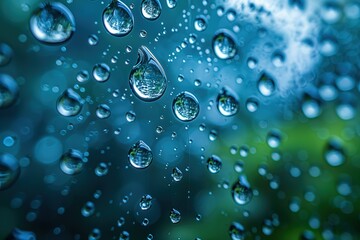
point(140, 155)
point(227, 103)
point(171, 3)
point(214, 164)
point(334, 153)
point(175, 216)
point(147, 78)
point(186, 106)
point(103, 111)
point(266, 85)
point(6, 54)
point(118, 18)
point(145, 202)
point(224, 44)
point(9, 91)
point(52, 23)
point(9, 170)
point(69, 103)
point(237, 231)
point(241, 191)
point(177, 174)
point(151, 9)
point(101, 72)
point(72, 162)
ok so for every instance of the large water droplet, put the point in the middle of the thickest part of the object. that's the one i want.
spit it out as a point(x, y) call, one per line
point(52, 23)
point(241, 191)
point(69, 103)
point(145, 202)
point(237, 231)
point(186, 106)
point(140, 155)
point(101, 72)
point(175, 216)
point(9, 91)
point(118, 18)
point(227, 103)
point(5, 54)
point(147, 78)
point(72, 162)
point(9, 170)
point(214, 164)
point(334, 153)
point(224, 44)
point(151, 9)
point(266, 85)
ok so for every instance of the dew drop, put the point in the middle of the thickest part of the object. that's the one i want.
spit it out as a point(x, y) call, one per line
point(186, 106)
point(252, 104)
point(171, 3)
point(266, 85)
point(88, 209)
point(334, 153)
point(93, 40)
point(140, 155)
point(214, 164)
point(236, 231)
point(273, 139)
point(130, 116)
point(224, 44)
point(101, 72)
point(18, 234)
point(200, 23)
point(52, 23)
point(9, 170)
point(102, 169)
point(145, 202)
point(227, 103)
point(151, 9)
point(82, 76)
point(177, 174)
point(124, 235)
point(71, 162)
point(147, 78)
point(175, 216)
point(6, 54)
point(118, 18)
point(9, 91)
point(241, 191)
point(103, 111)
point(69, 103)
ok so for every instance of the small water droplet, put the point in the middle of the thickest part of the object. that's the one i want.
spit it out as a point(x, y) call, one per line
point(95, 234)
point(171, 3)
point(72, 162)
point(214, 164)
point(88, 209)
point(130, 116)
point(227, 103)
point(252, 104)
point(9, 91)
point(151, 9)
point(9, 170)
point(241, 191)
point(177, 174)
point(186, 106)
point(224, 44)
point(93, 40)
point(102, 169)
point(266, 85)
point(237, 231)
point(101, 72)
point(118, 19)
point(334, 153)
point(6, 54)
point(273, 138)
point(175, 216)
point(200, 23)
point(124, 235)
point(69, 103)
point(140, 155)
point(103, 111)
point(145, 202)
point(82, 76)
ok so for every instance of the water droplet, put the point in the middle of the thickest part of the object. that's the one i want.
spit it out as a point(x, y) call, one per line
point(95, 234)
point(214, 164)
point(72, 162)
point(252, 62)
point(102, 169)
point(330, 12)
point(103, 111)
point(88, 209)
point(69, 103)
point(278, 59)
point(266, 85)
point(9, 91)
point(186, 106)
point(147, 78)
point(175, 216)
point(145, 202)
point(200, 23)
point(143, 33)
point(310, 106)
point(241, 191)
point(124, 235)
point(140, 155)
point(252, 104)
point(237, 231)
point(227, 103)
point(151, 9)
point(9, 170)
point(82, 76)
point(101, 72)
point(177, 174)
point(273, 139)
point(6, 54)
point(334, 153)
point(224, 44)
point(171, 3)
point(213, 135)
point(130, 116)
point(93, 40)
point(18, 234)
point(118, 18)
point(52, 23)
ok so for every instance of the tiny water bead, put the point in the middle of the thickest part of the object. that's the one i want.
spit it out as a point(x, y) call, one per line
point(334, 153)
point(9, 170)
point(252, 104)
point(95, 234)
point(237, 231)
point(171, 3)
point(145, 202)
point(103, 111)
point(147, 78)
point(175, 216)
point(266, 85)
point(93, 40)
point(88, 209)
point(130, 116)
point(241, 191)
point(82, 76)
point(124, 235)
point(177, 174)
point(101, 72)
point(6, 54)
point(140, 155)
point(224, 45)
point(214, 164)
point(151, 9)
point(273, 138)
point(71, 162)
point(102, 169)
point(200, 23)
point(52, 23)
point(186, 106)
point(227, 103)
point(118, 18)
point(69, 103)
point(9, 91)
